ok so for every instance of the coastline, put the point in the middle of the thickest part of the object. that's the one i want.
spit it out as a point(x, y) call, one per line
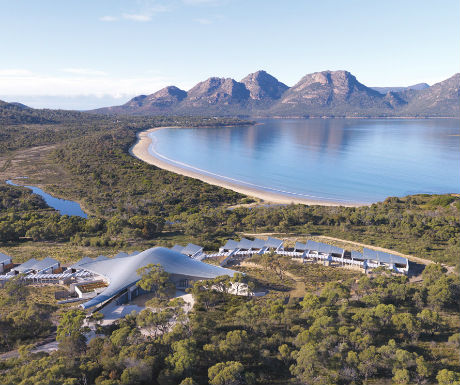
point(140, 150)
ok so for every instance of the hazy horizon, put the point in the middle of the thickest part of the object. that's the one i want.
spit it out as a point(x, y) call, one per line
point(93, 54)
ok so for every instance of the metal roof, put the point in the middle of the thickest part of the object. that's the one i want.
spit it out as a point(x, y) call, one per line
point(101, 258)
point(121, 272)
point(191, 249)
point(357, 255)
point(26, 266)
point(323, 247)
point(300, 246)
point(5, 258)
point(244, 244)
point(273, 242)
point(121, 254)
point(258, 243)
point(77, 264)
point(45, 263)
point(381, 256)
point(230, 245)
point(177, 248)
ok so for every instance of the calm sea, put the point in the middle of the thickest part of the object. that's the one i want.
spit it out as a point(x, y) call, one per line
point(349, 160)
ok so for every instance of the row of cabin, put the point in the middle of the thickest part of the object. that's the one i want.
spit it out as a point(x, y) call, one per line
point(32, 266)
point(369, 258)
point(256, 246)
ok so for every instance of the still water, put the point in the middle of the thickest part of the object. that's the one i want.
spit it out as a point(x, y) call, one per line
point(344, 160)
point(65, 207)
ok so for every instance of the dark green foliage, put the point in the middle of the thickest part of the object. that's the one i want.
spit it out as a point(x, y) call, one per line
point(331, 337)
point(128, 199)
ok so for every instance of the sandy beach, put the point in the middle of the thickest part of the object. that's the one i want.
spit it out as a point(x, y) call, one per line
point(141, 151)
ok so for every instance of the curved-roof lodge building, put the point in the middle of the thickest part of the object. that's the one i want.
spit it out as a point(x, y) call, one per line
point(121, 272)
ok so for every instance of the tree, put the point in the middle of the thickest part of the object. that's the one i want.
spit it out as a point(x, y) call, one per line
point(183, 358)
point(384, 313)
point(447, 377)
point(310, 302)
point(16, 290)
point(155, 323)
point(430, 320)
point(285, 353)
point(334, 291)
point(401, 376)
point(368, 361)
point(156, 280)
point(440, 293)
point(97, 318)
point(235, 344)
point(423, 369)
point(226, 373)
point(432, 273)
point(188, 381)
point(71, 333)
point(406, 323)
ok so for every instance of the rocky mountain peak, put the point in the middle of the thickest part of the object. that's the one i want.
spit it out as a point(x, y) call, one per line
point(216, 90)
point(262, 85)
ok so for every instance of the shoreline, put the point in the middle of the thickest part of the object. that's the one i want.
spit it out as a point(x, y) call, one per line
point(140, 150)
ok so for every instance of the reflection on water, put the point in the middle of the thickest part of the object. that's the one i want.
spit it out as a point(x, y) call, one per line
point(357, 160)
point(65, 207)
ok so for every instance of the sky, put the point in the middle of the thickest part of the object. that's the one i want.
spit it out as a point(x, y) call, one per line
point(90, 53)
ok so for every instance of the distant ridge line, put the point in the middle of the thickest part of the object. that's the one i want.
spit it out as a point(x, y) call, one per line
point(319, 94)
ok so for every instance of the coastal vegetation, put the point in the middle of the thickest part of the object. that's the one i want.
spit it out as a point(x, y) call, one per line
point(351, 331)
point(317, 324)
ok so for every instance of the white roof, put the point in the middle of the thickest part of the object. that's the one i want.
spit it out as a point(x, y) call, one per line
point(191, 249)
point(244, 244)
point(323, 247)
point(356, 255)
point(273, 242)
point(300, 246)
point(230, 245)
point(5, 258)
point(45, 263)
point(258, 243)
point(26, 266)
point(77, 265)
point(121, 272)
point(384, 257)
point(177, 248)
point(121, 254)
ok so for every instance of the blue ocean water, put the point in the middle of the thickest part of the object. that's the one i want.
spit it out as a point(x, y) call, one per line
point(347, 160)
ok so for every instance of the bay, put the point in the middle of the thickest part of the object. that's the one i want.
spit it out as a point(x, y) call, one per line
point(341, 160)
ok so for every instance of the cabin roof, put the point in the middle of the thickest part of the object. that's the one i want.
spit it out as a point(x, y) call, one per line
point(323, 247)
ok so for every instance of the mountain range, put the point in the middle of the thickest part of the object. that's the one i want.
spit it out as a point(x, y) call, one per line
point(320, 94)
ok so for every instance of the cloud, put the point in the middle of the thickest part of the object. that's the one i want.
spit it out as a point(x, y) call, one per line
point(108, 18)
point(204, 21)
point(137, 17)
point(84, 71)
point(203, 2)
point(147, 10)
point(23, 82)
point(15, 72)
